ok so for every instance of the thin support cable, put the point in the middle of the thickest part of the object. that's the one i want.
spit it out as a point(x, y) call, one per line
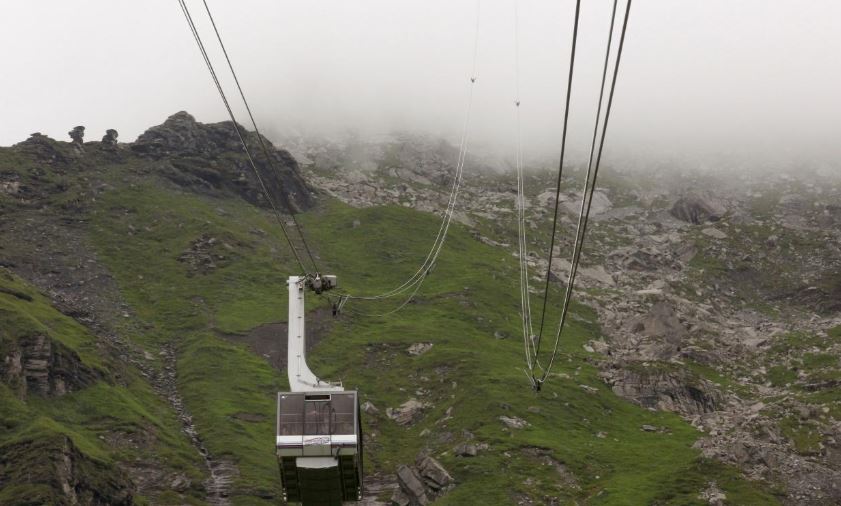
point(420, 275)
point(525, 297)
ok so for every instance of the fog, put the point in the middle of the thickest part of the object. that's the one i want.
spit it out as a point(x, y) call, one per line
point(750, 80)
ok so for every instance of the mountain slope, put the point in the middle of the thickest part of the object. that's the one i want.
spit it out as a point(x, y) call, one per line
point(182, 275)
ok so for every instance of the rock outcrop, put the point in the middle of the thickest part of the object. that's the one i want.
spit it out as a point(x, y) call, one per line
point(110, 137)
point(77, 135)
point(661, 388)
point(210, 156)
point(38, 365)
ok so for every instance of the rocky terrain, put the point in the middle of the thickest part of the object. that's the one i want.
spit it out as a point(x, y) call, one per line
point(718, 300)
point(141, 345)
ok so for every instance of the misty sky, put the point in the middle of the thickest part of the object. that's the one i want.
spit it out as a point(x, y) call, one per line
point(743, 77)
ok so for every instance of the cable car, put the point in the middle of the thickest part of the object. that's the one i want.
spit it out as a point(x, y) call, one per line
point(319, 432)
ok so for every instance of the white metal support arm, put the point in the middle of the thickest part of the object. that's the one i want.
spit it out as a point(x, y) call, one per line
point(301, 378)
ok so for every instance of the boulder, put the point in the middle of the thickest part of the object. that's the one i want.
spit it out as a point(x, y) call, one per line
point(434, 475)
point(696, 209)
point(421, 484)
point(466, 450)
point(412, 485)
point(407, 413)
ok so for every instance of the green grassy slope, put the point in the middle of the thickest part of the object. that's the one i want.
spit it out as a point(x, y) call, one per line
point(140, 233)
point(98, 427)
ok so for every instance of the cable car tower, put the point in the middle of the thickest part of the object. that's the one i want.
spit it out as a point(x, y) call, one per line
point(319, 435)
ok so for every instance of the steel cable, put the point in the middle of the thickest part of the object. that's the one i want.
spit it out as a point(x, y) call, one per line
point(186, 11)
point(585, 212)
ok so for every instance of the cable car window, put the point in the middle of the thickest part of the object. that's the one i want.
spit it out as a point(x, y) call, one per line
point(291, 415)
point(317, 418)
point(344, 413)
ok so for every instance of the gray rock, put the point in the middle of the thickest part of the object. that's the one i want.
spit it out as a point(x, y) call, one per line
point(654, 387)
point(434, 474)
point(369, 408)
point(466, 450)
point(399, 498)
point(110, 137)
point(697, 209)
point(421, 484)
point(419, 348)
point(714, 233)
point(77, 135)
point(407, 413)
point(412, 486)
point(513, 422)
point(180, 483)
point(572, 203)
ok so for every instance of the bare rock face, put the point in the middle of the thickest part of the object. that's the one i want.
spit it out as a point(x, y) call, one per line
point(211, 156)
point(696, 209)
point(421, 484)
point(654, 387)
point(40, 366)
point(110, 137)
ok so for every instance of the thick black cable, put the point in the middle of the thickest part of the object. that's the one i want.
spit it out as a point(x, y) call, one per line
point(584, 219)
point(215, 78)
point(560, 174)
point(266, 153)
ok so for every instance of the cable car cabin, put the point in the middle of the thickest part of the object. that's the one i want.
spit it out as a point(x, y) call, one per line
point(319, 447)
